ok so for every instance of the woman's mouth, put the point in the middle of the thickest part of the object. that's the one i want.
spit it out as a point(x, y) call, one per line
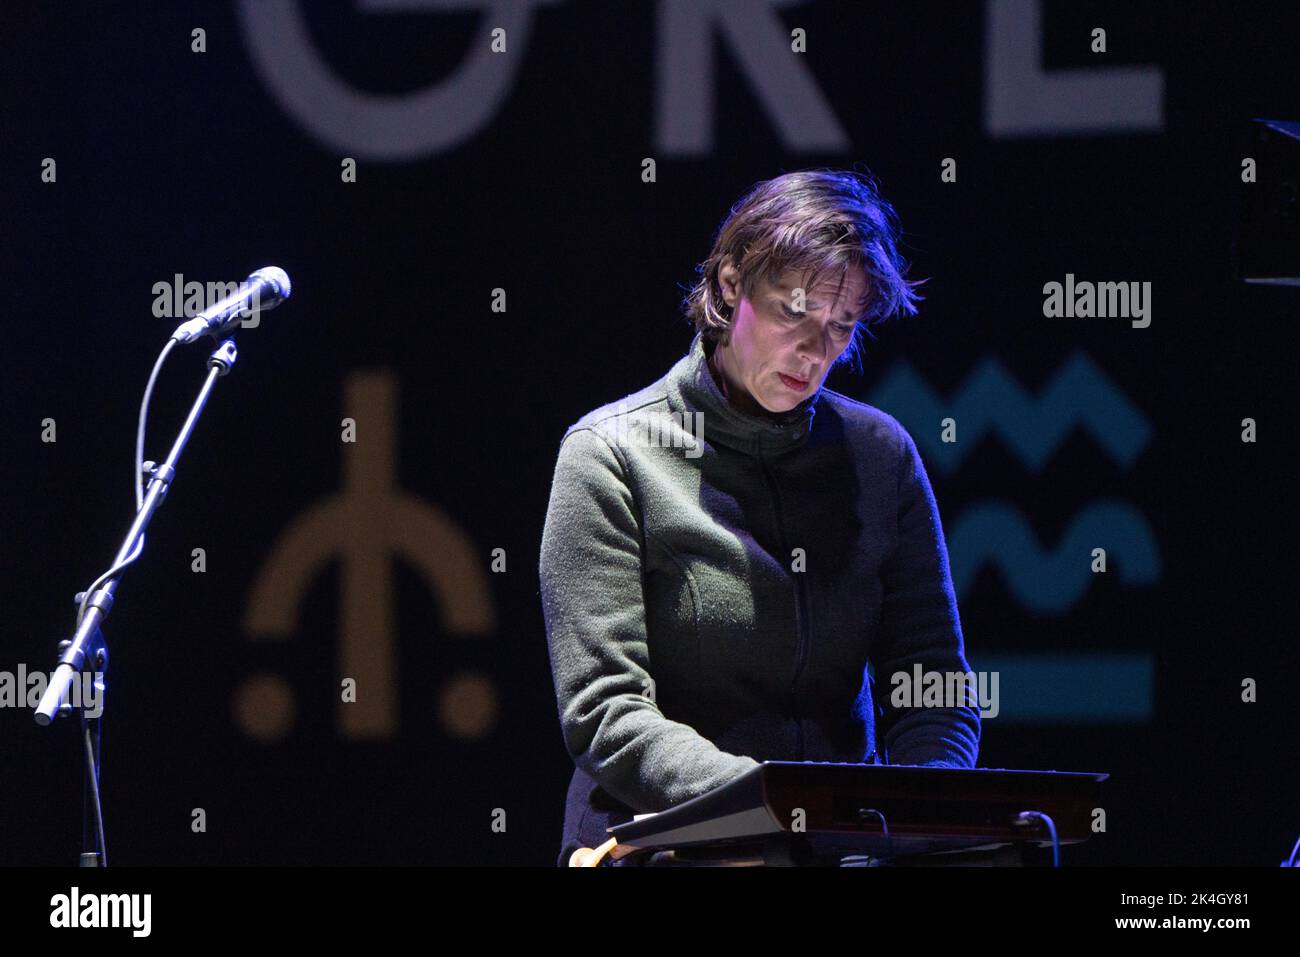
point(797, 385)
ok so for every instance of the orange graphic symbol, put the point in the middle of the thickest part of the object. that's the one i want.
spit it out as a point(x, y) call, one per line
point(365, 526)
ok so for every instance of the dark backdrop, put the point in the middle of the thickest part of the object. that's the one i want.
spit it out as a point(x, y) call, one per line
point(1073, 433)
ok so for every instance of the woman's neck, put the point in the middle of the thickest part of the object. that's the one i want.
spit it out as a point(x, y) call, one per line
point(736, 394)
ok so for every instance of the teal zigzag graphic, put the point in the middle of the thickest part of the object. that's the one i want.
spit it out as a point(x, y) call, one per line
point(991, 400)
point(1050, 581)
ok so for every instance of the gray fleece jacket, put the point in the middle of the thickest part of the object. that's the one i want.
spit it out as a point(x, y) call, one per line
point(713, 597)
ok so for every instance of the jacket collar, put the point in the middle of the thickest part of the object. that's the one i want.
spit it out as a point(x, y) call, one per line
point(691, 388)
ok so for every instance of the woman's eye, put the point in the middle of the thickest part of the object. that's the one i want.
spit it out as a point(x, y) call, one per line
point(839, 328)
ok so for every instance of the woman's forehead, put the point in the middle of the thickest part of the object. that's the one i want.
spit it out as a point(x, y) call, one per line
point(837, 283)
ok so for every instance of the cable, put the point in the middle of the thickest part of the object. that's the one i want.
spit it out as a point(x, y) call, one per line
point(587, 857)
point(868, 860)
point(92, 774)
point(137, 484)
point(884, 827)
point(1024, 817)
point(93, 752)
point(144, 414)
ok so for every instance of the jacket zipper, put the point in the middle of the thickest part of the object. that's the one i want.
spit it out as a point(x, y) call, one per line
point(801, 595)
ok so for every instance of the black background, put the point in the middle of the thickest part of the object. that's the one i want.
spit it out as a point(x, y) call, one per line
point(175, 162)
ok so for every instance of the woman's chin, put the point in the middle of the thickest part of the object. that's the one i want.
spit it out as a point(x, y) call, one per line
point(779, 407)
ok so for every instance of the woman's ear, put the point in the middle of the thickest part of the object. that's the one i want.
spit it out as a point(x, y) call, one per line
point(729, 282)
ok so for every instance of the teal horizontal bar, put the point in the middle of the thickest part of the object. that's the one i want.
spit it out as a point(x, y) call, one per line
point(1072, 689)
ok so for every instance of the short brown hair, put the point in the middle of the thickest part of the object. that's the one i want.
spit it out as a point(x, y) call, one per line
point(823, 220)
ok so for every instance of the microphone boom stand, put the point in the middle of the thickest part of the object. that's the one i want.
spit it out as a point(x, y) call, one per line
point(88, 640)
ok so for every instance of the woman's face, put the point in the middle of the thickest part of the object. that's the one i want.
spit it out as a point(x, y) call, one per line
point(777, 356)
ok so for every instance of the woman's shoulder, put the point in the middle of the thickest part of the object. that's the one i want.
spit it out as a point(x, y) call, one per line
point(652, 400)
point(611, 422)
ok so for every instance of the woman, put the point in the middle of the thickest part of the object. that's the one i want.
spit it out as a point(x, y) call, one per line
point(712, 597)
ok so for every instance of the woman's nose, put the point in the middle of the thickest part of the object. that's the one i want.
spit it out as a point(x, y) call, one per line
point(813, 348)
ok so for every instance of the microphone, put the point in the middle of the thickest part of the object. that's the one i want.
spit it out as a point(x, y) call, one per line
point(264, 289)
